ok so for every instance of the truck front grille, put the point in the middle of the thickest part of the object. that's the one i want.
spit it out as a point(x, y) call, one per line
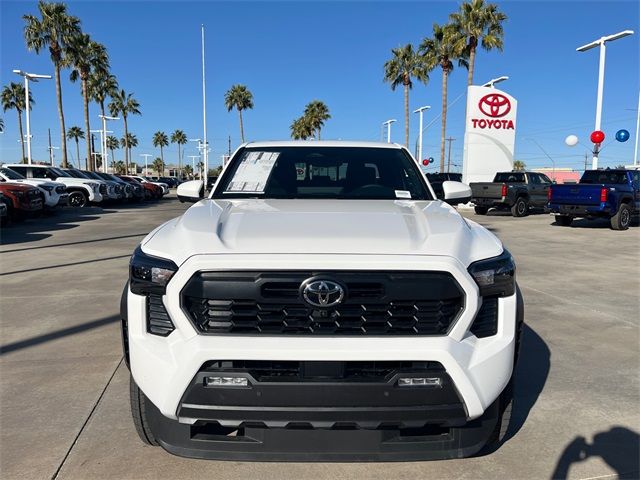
point(376, 303)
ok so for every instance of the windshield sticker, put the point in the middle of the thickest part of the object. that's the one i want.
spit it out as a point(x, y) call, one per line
point(403, 194)
point(253, 172)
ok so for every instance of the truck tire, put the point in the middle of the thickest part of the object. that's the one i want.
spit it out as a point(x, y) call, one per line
point(78, 198)
point(481, 210)
point(564, 220)
point(520, 208)
point(622, 219)
point(139, 413)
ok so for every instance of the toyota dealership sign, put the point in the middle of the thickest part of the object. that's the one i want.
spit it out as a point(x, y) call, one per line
point(490, 133)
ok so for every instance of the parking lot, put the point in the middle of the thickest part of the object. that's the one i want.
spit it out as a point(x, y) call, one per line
point(64, 388)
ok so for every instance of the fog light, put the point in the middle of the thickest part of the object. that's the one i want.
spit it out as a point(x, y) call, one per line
point(226, 382)
point(420, 382)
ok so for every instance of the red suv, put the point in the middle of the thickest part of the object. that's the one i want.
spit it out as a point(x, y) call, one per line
point(24, 200)
point(151, 191)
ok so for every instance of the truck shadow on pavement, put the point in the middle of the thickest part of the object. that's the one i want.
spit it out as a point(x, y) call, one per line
point(531, 373)
point(599, 223)
point(619, 448)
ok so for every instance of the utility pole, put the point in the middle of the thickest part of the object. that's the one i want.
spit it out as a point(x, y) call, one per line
point(450, 139)
point(50, 149)
point(205, 153)
point(586, 160)
point(229, 145)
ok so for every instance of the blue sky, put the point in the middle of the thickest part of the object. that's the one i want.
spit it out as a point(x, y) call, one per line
point(289, 53)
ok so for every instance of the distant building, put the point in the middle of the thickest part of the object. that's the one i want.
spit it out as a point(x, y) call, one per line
point(560, 175)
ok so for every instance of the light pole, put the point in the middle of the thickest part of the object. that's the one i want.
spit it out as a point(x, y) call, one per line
point(388, 124)
point(146, 157)
point(204, 117)
point(493, 81)
point(193, 162)
point(34, 78)
point(420, 110)
point(601, 42)
point(103, 143)
point(635, 152)
point(103, 146)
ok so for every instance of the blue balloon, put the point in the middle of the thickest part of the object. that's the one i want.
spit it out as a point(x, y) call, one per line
point(622, 135)
point(431, 158)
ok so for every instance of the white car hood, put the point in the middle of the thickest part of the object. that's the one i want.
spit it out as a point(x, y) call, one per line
point(36, 182)
point(381, 227)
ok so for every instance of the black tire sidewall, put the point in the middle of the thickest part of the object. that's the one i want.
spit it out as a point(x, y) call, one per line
point(76, 194)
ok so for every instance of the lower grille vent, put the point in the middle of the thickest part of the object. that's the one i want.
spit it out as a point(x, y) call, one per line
point(158, 321)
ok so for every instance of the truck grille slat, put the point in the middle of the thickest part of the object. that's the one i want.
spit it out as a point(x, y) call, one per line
point(393, 303)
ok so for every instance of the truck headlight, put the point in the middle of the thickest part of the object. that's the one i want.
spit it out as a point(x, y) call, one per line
point(495, 276)
point(148, 274)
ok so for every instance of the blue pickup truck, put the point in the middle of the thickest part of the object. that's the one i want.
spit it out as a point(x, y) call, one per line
point(612, 194)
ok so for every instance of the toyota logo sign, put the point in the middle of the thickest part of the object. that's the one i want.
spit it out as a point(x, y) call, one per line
point(322, 293)
point(494, 105)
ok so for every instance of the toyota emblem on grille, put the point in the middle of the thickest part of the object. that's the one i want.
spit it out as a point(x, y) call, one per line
point(322, 293)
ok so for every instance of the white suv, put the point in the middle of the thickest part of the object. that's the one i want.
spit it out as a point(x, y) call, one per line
point(81, 191)
point(55, 193)
point(321, 304)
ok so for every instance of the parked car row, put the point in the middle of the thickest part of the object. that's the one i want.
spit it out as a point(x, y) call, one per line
point(29, 189)
point(606, 193)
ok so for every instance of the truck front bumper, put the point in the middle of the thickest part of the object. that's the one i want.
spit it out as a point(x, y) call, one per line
point(327, 421)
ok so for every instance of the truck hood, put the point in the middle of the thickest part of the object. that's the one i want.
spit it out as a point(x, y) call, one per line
point(381, 227)
point(36, 182)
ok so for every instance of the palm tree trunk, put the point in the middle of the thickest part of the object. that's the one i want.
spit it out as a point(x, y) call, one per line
point(445, 77)
point(78, 151)
point(126, 144)
point(63, 132)
point(161, 154)
point(21, 134)
point(241, 126)
point(92, 161)
point(472, 60)
point(406, 115)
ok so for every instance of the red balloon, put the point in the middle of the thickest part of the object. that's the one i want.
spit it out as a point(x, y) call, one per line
point(597, 136)
point(425, 161)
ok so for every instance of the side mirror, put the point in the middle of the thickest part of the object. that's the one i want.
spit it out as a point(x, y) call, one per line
point(191, 192)
point(456, 192)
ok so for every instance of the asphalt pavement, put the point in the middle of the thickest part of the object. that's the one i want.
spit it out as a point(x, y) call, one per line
point(64, 407)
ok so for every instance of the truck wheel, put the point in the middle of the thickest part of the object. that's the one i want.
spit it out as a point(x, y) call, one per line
point(78, 199)
point(622, 219)
point(481, 210)
point(139, 413)
point(520, 208)
point(564, 220)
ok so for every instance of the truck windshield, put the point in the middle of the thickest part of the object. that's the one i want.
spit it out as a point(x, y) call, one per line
point(509, 177)
point(323, 172)
point(604, 176)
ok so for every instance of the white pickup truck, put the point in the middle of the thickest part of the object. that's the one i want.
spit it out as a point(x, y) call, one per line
point(321, 304)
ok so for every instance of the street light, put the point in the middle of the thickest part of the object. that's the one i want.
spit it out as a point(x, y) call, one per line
point(34, 77)
point(493, 81)
point(388, 124)
point(601, 42)
point(193, 162)
point(420, 110)
point(103, 143)
point(146, 158)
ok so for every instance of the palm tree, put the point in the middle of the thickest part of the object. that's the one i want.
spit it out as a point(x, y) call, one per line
point(301, 129)
point(519, 165)
point(479, 22)
point(13, 98)
point(113, 144)
point(200, 167)
point(101, 84)
point(118, 167)
point(403, 66)
point(84, 55)
point(180, 138)
point(446, 45)
point(240, 98)
point(316, 113)
point(2, 125)
point(54, 30)
point(161, 140)
point(188, 171)
point(130, 140)
point(123, 103)
point(76, 133)
point(158, 166)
